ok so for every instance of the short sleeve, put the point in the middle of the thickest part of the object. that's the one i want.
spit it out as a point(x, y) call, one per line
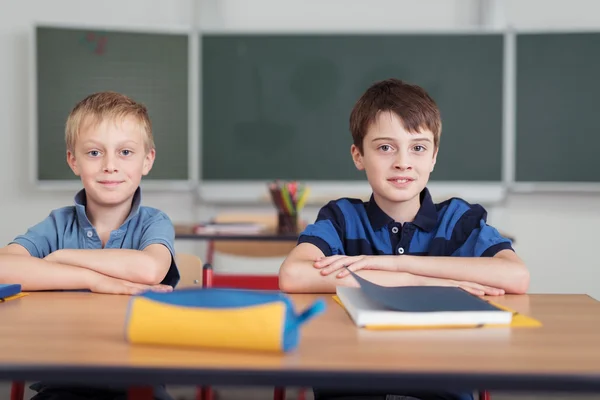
point(484, 241)
point(327, 233)
point(41, 239)
point(159, 230)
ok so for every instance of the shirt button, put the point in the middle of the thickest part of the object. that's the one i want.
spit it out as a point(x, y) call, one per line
point(395, 229)
point(400, 250)
point(90, 234)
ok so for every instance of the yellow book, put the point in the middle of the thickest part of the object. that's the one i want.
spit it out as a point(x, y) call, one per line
point(517, 321)
point(10, 291)
point(374, 306)
point(16, 296)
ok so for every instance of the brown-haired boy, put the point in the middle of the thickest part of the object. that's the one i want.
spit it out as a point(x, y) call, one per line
point(396, 131)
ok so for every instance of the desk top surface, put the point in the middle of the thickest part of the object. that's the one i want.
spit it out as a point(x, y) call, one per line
point(187, 231)
point(48, 335)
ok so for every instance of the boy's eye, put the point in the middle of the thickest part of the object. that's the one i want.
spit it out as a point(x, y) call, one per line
point(126, 152)
point(419, 148)
point(94, 153)
point(385, 147)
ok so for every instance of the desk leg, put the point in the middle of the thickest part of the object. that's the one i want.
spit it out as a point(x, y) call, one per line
point(140, 393)
point(485, 396)
point(17, 391)
point(204, 393)
point(279, 393)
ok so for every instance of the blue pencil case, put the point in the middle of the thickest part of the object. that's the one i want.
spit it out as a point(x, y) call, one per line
point(218, 318)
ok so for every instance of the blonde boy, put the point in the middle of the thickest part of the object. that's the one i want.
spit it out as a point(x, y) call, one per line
point(107, 242)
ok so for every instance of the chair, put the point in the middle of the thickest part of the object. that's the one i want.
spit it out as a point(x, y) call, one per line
point(249, 248)
point(190, 270)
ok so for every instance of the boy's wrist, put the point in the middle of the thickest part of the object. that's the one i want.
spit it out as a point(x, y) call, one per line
point(420, 280)
point(401, 263)
point(90, 278)
point(52, 257)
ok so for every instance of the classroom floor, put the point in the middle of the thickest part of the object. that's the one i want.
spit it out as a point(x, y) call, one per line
point(187, 393)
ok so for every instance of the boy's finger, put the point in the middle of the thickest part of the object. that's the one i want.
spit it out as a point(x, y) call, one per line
point(334, 267)
point(328, 270)
point(327, 261)
point(474, 291)
point(352, 267)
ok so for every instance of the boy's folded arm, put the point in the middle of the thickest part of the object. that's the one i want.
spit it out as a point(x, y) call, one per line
point(298, 274)
point(148, 266)
point(18, 266)
point(505, 270)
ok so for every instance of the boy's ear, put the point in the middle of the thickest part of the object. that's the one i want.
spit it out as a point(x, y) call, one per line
point(148, 161)
point(357, 158)
point(72, 162)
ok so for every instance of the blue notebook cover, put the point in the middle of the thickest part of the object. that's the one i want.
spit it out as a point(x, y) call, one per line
point(423, 298)
point(7, 290)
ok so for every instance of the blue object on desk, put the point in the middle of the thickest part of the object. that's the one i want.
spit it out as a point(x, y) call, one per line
point(224, 318)
point(7, 290)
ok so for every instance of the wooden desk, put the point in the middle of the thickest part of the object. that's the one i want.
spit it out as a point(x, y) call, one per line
point(79, 337)
point(183, 231)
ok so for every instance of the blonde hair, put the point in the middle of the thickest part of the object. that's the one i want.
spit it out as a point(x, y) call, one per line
point(106, 105)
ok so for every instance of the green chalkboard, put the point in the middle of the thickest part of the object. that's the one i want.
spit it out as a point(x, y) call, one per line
point(277, 106)
point(558, 81)
point(151, 68)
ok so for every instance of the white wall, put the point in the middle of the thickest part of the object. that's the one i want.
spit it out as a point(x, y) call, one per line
point(545, 225)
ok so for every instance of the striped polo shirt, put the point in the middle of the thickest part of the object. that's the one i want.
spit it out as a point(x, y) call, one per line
point(451, 228)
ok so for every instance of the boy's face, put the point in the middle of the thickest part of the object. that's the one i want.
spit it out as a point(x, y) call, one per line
point(397, 162)
point(110, 158)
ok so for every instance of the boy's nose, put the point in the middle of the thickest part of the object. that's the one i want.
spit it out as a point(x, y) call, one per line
point(109, 165)
point(402, 163)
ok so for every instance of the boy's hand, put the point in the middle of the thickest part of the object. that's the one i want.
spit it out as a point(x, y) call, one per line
point(471, 287)
point(108, 285)
point(333, 264)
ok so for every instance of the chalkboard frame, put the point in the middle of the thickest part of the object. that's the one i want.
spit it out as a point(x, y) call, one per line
point(251, 191)
point(152, 185)
point(527, 186)
point(487, 192)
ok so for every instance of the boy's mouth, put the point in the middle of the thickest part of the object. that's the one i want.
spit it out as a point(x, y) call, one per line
point(401, 182)
point(110, 183)
point(402, 179)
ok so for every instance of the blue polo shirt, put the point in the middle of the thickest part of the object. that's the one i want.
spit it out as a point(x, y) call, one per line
point(70, 228)
point(453, 228)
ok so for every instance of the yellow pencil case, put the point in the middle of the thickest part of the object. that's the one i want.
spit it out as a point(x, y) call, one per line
point(218, 318)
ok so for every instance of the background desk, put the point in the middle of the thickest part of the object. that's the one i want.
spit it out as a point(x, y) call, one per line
point(187, 232)
point(52, 336)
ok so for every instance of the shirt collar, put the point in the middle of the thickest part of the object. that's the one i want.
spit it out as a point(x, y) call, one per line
point(81, 201)
point(426, 218)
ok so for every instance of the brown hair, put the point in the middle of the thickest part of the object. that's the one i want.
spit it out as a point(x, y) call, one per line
point(411, 103)
point(102, 105)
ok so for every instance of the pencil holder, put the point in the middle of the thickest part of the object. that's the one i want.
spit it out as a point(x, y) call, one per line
point(287, 223)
